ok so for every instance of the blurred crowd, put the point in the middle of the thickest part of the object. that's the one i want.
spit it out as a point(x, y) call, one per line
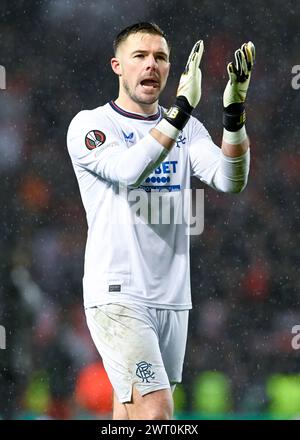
point(245, 264)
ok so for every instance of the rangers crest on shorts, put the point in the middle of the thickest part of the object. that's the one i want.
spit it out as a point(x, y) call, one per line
point(94, 139)
point(144, 371)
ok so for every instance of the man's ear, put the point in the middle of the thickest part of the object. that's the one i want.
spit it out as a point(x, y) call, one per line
point(116, 66)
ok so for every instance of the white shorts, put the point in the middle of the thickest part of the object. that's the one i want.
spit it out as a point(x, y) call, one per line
point(140, 346)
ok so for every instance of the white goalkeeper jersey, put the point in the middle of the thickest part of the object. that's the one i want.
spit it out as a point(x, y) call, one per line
point(137, 255)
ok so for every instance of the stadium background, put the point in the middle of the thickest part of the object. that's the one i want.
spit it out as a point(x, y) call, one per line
point(245, 266)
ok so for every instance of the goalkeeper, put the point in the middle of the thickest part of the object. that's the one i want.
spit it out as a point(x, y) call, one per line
point(136, 275)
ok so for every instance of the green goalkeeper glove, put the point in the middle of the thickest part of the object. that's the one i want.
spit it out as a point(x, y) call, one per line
point(235, 93)
point(190, 81)
point(189, 90)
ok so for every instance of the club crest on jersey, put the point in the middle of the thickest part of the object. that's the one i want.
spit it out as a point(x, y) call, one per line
point(94, 139)
point(180, 140)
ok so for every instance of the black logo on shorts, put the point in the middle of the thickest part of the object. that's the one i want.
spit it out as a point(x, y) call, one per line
point(114, 288)
point(144, 371)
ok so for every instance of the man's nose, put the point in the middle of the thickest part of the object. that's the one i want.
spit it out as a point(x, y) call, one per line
point(151, 62)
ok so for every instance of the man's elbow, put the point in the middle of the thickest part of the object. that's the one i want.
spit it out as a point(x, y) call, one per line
point(129, 179)
point(238, 187)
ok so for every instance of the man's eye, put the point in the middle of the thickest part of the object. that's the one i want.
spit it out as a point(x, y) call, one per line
point(139, 55)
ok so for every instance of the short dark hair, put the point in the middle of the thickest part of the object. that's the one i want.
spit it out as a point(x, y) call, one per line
point(144, 27)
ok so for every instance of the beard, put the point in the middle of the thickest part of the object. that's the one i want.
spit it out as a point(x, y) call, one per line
point(135, 98)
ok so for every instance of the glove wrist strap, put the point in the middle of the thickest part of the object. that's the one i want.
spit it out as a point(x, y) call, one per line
point(234, 117)
point(179, 114)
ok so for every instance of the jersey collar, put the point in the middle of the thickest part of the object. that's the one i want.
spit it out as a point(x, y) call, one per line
point(122, 112)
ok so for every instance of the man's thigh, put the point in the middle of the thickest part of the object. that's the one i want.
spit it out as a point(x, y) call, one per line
point(127, 341)
point(157, 405)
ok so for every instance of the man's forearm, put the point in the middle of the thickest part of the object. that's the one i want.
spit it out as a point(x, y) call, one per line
point(164, 140)
point(235, 150)
point(235, 161)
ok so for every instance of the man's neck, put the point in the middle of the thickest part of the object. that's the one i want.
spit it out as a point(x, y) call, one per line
point(134, 107)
